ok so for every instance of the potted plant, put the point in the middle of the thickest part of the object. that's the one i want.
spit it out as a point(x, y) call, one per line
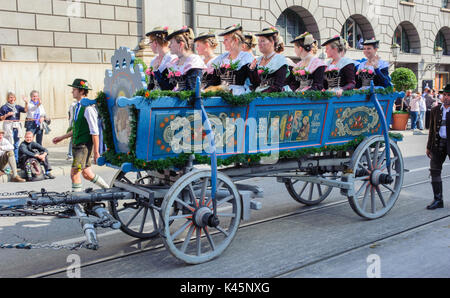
point(403, 79)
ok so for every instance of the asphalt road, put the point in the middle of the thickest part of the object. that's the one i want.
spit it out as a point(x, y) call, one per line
point(284, 239)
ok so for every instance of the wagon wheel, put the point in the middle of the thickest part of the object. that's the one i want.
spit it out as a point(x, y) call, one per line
point(307, 193)
point(192, 194)
point(137, 218)
point(372, 178)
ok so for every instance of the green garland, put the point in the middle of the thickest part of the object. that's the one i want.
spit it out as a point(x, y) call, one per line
point(247, 98)
point(103, 111)
point(181, 160)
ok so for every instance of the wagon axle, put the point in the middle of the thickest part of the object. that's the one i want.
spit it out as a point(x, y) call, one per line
point(377, 177)
point(204, 217)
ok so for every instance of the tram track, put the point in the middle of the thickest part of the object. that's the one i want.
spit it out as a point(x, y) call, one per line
point(341, 253)
point(256, 223)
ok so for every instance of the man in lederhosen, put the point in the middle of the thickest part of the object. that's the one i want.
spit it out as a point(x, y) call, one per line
point(85, 138)
point(438, 147)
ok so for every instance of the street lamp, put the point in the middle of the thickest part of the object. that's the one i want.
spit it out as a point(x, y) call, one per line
point(395, 49)
point(438, 51)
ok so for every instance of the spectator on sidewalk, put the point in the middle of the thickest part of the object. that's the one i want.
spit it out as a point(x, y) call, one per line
point(35, 116)
point(402, 104)
point(429, 100)
point(10, 114)
point(414, 110)
point(7, 158)
point(422, 110)
point(32, 150)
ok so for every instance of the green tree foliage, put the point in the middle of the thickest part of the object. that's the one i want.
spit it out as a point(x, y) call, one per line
point(404, 79)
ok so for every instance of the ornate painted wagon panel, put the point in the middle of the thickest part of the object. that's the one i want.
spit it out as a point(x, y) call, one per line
point(169, 126)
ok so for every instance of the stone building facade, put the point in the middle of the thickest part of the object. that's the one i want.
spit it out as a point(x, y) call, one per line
point(45, 44)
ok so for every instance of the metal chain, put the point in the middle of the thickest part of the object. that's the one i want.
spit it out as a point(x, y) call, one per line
point(19, 193)
point(72, 247)
point(21, 211)
point(15, 211)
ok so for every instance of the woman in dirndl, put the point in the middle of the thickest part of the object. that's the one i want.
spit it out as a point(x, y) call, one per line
point(340, 71)
point(158, 65)
point(233, 65)
point(372, 67)
point(269, 71)
point(187, 66)
point(206, 44)
point(308, 74)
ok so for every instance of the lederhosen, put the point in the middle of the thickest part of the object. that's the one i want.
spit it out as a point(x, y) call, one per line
point(82, 144)
point(439, 149)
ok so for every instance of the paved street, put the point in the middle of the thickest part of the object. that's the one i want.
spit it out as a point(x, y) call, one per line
point(284, 239)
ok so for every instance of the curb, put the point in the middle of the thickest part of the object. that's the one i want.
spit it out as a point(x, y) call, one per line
point(56, 171)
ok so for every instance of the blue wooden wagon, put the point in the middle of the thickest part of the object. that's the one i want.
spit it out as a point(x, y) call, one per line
point(185, 157)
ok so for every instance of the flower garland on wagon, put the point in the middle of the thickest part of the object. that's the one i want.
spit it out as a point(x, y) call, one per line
point(244, 159)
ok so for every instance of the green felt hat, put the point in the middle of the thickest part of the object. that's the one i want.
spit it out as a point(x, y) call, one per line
point(80, 84)
point(446, 89)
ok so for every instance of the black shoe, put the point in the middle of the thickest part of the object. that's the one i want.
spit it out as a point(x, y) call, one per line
point(436, 204)
point(438, 199)
point(49, 176)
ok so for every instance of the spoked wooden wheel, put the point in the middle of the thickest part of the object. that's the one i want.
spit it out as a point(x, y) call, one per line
point(307, 193)
point(376, 191)
point(138, 219)
point(193, 236)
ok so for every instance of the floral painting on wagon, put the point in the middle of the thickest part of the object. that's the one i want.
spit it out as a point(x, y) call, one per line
point(176, 133)
point(354, 121)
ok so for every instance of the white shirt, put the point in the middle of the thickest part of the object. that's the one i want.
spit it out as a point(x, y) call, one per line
point(32, 108)
point(91, 115)
point(422, 105)
point(443, 130)
point(5, 146)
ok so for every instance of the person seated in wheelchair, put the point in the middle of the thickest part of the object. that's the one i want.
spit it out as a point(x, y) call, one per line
point(31, 156)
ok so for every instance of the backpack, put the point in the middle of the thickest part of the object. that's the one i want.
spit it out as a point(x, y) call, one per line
point(33, 170)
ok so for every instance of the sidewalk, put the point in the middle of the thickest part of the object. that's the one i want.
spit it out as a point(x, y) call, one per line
point(58, 160)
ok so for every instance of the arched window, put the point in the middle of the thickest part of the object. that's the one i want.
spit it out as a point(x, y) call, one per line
point(401, 38)
point(290, 25)
point(441, 41)
point(407, 37)
point(355, 30)
point(352, 33)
